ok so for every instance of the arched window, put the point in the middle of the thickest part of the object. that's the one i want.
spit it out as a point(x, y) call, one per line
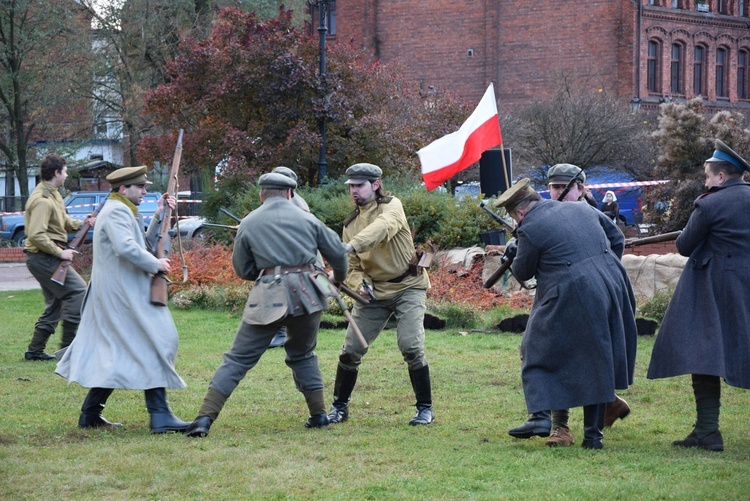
point(676, 70)
point(743, 58)
point(721, 72)
point(653, 67)
point(699, 68)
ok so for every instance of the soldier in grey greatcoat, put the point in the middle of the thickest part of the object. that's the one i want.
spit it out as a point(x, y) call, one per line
point(277, 245)
point(706, 329)
point(124, 341)
point(580, 340)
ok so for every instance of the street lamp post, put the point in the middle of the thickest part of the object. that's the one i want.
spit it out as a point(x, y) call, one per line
point(322, 7)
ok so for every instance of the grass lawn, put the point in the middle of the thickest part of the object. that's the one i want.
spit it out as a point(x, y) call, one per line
point(259, 449)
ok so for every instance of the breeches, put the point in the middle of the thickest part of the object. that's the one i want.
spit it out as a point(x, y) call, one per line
point(408, 308)
point(61, 302)
point(251, 341)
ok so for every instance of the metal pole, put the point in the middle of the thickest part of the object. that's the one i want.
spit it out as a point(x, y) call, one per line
point(322, 31)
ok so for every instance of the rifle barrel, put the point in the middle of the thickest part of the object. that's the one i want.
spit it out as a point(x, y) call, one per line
point(664, 237)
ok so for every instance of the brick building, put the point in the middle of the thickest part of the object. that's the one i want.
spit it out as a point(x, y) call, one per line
point(648, 49)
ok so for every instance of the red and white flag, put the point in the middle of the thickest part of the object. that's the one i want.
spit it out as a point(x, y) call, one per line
point(449, 155)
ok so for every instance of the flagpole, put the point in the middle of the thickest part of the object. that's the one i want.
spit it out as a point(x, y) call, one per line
point(505, 168)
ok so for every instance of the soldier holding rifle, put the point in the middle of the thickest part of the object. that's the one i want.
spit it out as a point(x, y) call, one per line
point(277, 245)
point(566, 183)
point(579, 344)
point(125, 341)
point(705, 329)
point(47, 227)
point(381, 252)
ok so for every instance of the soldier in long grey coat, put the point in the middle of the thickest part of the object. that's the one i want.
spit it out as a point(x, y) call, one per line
point(277, 245)
point(124, 341)
point(706, 329)
point(580, 340)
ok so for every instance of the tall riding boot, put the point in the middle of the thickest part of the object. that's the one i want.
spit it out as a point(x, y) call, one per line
point(705, 434)
point(420, 381)
point(161, 418)
point(342, 392)
point(68, 334)
point(91, 411)
point(538, 425)
point(213, 402)
point(593, 422)
point(316, 404)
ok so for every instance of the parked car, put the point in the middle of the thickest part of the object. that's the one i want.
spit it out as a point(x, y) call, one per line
point(78, 205)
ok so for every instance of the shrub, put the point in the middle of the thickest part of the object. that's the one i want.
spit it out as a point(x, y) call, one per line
point(656, 307)
point(213, 297)
point(457, 316)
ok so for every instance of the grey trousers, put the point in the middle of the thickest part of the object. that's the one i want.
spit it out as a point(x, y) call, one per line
point(408, 308)
point(251, 342)
point(61, 302)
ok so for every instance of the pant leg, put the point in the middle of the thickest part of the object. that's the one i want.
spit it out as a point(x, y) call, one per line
point(409, 308)
point(302, 338)
point(250, 343)
point(371, 319)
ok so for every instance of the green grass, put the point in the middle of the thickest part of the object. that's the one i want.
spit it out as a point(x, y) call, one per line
point(259, 449)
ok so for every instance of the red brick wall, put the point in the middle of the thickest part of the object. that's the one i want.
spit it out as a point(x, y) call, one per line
point(660, 248)
point(12, 255)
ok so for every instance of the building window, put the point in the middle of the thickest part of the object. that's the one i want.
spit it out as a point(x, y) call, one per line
point(330, 17)
point(675, 85)
point(698, 70)
point(741, 8)
point(675, 4)
point(721, 73)
point(742, 60)
point(653, 72)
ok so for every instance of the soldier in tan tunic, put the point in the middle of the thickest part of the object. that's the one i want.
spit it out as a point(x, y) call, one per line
point(47, 226)
point(382, 254)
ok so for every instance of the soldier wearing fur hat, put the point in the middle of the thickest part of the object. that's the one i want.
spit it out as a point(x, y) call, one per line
point(124, 341)
point(544, 423)
point(277, 245)
point(705, 329)
point(382, 254)
point(579, 344)
point(47, 226)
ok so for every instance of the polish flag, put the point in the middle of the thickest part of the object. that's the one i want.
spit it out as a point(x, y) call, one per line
point(444, 158)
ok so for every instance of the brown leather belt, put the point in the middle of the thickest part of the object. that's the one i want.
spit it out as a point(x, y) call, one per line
point(289, 269)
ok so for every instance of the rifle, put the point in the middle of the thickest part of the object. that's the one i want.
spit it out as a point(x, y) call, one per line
point(225, 226)
point(330, 290)
point(159, 292)
point(664, 237)
point(569, 187)
point(222, 209)
point(61, 273)
point(497, 218)
point(504, 266)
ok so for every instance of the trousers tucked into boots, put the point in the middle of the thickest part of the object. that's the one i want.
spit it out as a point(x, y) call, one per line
point(213, 402)
point(707, 391)
point(93, 405)
point(342, 392)
point(593, 423)
point(161, 418)
point(420, 382)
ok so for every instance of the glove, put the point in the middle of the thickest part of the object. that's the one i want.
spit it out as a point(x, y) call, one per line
point(511, 248)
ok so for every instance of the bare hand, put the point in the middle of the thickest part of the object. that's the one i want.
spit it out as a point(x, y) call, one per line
point(171, 202)
point(90, 220)
point(68, 254)
point(164, 265)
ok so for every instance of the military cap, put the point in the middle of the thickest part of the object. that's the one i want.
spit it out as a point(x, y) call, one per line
point(563, 173)
point(359, 173)
point(286, 171)
point(515, 195)
point(724, 153)
point(127, 176)
point(276, 181)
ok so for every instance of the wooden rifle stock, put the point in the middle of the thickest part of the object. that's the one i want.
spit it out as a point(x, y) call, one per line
point(159, 292)
point(61, 272)
point(497, 275)
point(664, 237)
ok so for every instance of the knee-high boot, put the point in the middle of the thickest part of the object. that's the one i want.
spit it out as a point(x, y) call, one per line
point(91, 411)
point(420, 382)
point(342, 392)
point(68, 334)
point(593, 422)
point(161, 418)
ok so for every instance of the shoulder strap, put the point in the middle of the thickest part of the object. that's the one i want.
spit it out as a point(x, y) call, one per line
point(384, 200)
point(351, 217)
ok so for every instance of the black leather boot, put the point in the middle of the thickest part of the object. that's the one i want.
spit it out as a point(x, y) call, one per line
point(91, 411)
point(420, 381)
point(68, 334)
point(342, 392)
point(538, 425)
point(161, 418)
point(593, 422)
point(200, 427)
